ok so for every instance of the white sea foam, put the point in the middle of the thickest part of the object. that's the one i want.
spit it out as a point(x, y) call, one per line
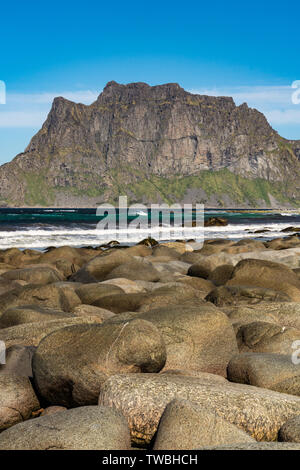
point(42, 238)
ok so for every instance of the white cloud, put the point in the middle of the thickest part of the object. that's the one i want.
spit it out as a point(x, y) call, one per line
point(30, 110)
point(22, 118)
point(283, 117)
point(83, 96)
point(260, 95)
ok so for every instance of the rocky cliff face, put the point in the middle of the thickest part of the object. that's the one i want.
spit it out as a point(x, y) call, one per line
point(154, 143)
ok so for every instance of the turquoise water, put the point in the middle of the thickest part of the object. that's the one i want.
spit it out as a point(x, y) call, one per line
point(39, 228)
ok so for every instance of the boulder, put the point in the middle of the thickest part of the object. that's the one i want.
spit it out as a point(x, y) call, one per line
point(185, 425)
point(197, 337)
point(168, 252)
point(17, 400)
point(199, 270)
point(237, 295)
point(34, 275)
point(216, 221)
point(170, 293)
point(192, 257)
point(50, 410)
point(141, 270)
point(97, 313)
point(142, 398)
point(282, 313)
point(148, 242)
point(265, 337)
point(6, 285)
point(173, 267)
point(202, 286)
point(267, 274)
point(89, 293)
point(84, 428)
point(127, 286)
point(119, 303)
point(75, 256)
point(240, 315)
point(221, 274)
point(71, 364)
point(99, 267)
point(205, 377)
point(30, 314)
point(139, 250)
point(180, 246)
point(273, 371)
point(290, 431)
point(18, 361)
point(49, 296)
point(30, 334)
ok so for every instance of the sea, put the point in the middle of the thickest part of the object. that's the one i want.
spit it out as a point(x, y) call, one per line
point(42, 228)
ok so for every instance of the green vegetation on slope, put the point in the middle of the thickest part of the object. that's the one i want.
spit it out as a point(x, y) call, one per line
point(215, 184)
point(38, 193)
point(222, 186)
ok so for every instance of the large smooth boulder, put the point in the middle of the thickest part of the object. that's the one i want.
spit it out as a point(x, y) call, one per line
point(185, 425)
point(273, 371)
point(167, 294)
point(282, 313)
point(265, 337)
point(34, 275)
point(71, 364)
point(142, 398)
point(99, 267)
point(74, 256)
point(163, 251)
point(221, 274)
point(267, 274)
point(237, 295)
point(119, 303)
point(173, 293)
point(199, 270)
point(50, 296)
point(128, 286)
point(30, 334)
point(139, 250)
point(30, 314)
point(169, 269)
point(197, 337)
point(99, 314)
point(84, 428)
point(6, 285)
point(17, 400)
point(141, 270)
point(89, 293)
point(202, 286)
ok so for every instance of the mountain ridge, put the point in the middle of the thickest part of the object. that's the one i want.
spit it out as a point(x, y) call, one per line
point(155, 144)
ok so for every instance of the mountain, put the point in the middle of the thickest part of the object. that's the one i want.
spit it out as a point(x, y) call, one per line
point(155, 144)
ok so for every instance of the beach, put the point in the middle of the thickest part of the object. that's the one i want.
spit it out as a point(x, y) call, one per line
point(136, 346)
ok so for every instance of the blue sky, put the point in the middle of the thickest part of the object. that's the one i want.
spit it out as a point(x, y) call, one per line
point(250, 51)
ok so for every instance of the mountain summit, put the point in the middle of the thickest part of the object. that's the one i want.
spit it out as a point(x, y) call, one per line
point(154, 143)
